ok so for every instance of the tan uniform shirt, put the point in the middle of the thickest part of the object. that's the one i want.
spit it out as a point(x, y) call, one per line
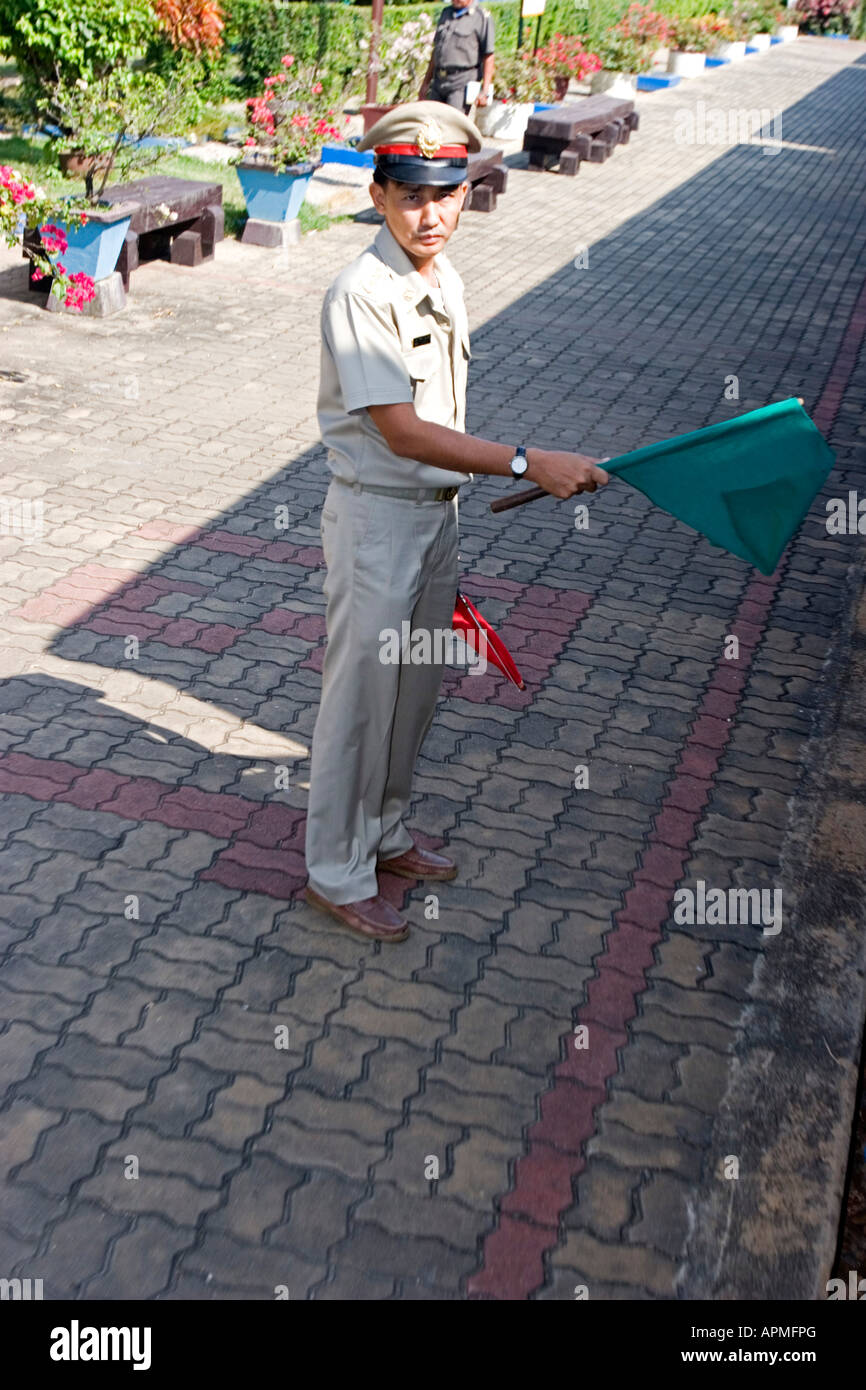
point(388, 337)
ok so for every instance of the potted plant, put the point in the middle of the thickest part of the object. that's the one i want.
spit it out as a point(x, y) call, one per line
point(26, 215)
point(519, 82)
point(788, 23)
point(566, 58)
point(834, 18)
point(691, 41)
point(628, 49)
point(114, 126)
point(288, 126)
point(400, 65)
point(760, 16)
point(730, 32)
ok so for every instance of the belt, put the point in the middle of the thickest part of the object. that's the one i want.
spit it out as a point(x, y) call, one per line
point(405, 494)
point(446, 72)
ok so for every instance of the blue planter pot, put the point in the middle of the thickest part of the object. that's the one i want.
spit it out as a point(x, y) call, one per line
point(93, 248)
point(657, 82)
point(273, 197)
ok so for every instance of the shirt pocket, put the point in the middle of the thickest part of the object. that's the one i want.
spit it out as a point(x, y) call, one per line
point(421, 362)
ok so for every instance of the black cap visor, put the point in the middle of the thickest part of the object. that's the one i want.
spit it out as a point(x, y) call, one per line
point(407, 168)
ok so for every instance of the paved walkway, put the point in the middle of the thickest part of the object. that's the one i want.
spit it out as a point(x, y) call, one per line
point(214, 1094)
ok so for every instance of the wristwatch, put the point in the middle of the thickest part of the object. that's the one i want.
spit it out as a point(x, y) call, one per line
point(520, 463)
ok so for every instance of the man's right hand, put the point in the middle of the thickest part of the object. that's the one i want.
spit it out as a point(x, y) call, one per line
point(564, 474)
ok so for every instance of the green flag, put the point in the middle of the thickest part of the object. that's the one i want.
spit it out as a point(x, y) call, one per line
point(745, 484)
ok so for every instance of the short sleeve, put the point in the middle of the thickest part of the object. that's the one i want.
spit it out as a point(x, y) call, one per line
point(363, 341)
point(487, 36)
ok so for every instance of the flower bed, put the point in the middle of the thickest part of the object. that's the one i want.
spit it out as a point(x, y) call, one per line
point(23, 208)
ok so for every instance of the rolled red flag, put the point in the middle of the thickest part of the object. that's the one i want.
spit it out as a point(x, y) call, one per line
point(479, 635)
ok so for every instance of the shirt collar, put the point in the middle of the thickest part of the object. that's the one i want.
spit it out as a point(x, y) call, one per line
point(414, 287)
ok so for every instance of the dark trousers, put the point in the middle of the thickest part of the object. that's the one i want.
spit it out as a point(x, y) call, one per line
point(452, 98)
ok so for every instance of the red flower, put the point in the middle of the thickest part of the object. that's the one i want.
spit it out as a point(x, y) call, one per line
point(79, 291)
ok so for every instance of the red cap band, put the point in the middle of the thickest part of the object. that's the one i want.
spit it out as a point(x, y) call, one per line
point(443, 152)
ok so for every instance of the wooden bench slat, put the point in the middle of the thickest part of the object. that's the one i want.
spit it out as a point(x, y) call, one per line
point(186, 197)
point(586, 117)
point(590, 129)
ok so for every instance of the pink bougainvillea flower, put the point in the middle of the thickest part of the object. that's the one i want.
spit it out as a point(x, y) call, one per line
point(316, 88)
point(79, 291)
point(287, 60)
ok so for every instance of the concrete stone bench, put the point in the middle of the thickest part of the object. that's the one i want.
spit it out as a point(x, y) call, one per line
point(488, 177)
point(589, 129)
point(187, 238)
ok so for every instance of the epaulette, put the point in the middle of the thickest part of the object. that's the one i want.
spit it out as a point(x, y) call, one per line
point(375, 280)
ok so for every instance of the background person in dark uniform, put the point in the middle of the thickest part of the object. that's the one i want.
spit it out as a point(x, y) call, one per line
point(462, 52)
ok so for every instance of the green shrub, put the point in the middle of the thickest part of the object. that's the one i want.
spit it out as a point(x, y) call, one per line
point(261, 31)
point(72, 39)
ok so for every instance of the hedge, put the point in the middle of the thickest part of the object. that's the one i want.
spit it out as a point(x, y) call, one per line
point(261, 31)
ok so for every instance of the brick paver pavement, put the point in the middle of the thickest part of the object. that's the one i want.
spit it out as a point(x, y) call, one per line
point(284, 1094)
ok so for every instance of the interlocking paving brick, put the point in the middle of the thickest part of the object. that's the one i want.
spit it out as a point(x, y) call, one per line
point(180, 1097)
point(317, 1215)
point(605, 1200)
point(594, 1260)
point(77, 1248)
point(352, 1284)
point(631, 1149)
point(252, 1269)
point(140, 1260)
point(664, 1220)
point(426, 1260)
point(66, 1153)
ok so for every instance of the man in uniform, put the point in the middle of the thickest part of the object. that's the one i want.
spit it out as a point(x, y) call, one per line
point(462, 52)
point(392, 398)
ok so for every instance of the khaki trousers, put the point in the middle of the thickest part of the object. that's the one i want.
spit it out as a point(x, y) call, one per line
point(389, 561)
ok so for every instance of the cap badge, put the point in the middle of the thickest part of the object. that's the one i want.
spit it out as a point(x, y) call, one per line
point(429, 138)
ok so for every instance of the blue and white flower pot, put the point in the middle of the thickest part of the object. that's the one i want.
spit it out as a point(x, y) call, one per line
point(94, 247)
point(272, 196)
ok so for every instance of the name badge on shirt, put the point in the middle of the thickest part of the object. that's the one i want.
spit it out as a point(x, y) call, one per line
point(420, 342)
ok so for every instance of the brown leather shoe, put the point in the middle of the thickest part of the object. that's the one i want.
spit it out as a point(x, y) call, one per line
point(420, 863)
point(373, 918)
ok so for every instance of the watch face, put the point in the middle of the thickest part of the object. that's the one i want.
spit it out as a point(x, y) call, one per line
point(519, 465)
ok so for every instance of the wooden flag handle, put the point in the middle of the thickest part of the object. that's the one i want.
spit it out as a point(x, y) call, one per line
point(531, 494)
